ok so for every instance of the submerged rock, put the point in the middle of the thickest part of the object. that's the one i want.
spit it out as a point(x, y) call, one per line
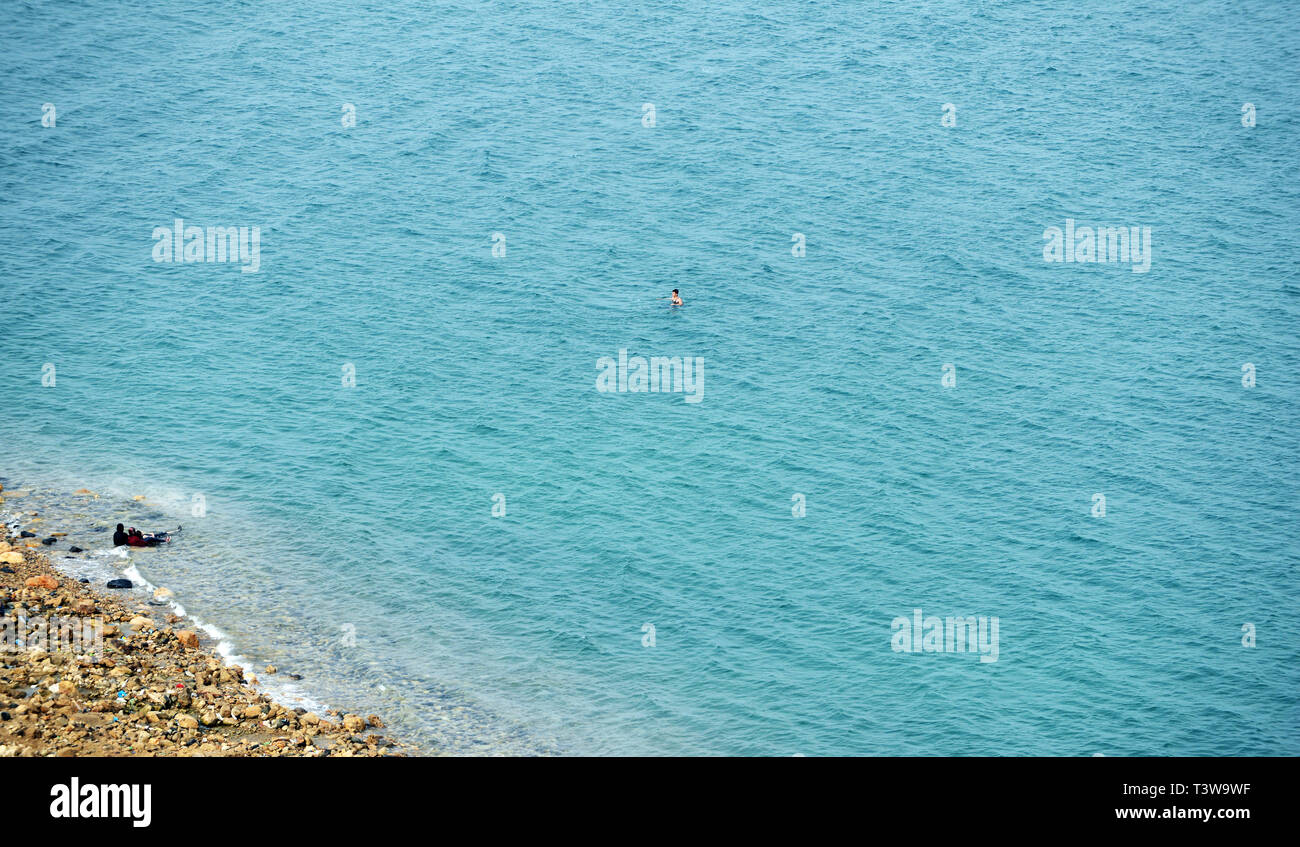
point(120, 583)
point(75, 549)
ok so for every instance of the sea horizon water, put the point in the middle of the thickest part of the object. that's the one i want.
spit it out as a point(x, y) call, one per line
point(390, 385)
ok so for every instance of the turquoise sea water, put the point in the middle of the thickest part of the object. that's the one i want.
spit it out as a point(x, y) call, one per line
point(349, 534)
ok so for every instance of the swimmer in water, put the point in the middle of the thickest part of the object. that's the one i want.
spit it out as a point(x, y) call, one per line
point(676, 299)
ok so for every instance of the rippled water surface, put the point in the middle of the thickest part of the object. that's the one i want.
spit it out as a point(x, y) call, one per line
point(349, 534)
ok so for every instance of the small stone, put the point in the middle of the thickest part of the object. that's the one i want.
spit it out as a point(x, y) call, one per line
point(187, 722)
point(269, 669)
point(188, 639)
point(43, 581)
point(374, 721)
point(353, 723)
point(120, 583)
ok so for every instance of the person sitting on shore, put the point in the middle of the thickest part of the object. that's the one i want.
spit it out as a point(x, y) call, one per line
point(119, 537)
point(136, 538)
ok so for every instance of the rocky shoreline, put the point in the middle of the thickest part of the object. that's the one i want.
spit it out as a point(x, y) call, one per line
point(149, 688)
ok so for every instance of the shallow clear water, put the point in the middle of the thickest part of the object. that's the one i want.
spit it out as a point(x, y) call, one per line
point(348, 533)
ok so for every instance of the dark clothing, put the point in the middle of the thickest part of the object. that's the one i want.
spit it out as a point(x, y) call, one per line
point(119, 538)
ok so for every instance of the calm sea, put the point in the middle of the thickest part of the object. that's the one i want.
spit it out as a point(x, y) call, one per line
point(462, 207)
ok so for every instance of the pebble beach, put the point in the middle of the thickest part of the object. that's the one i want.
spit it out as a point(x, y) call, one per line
point(141, 682)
